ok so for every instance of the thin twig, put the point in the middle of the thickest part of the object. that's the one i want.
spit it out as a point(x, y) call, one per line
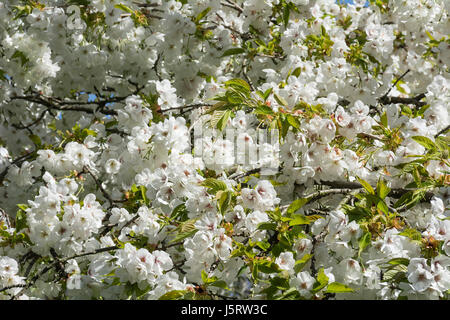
point(395, 83)
point(99, 184)
point(232, 5)
point(20, 127)
point(190, 106)
point(442, 131)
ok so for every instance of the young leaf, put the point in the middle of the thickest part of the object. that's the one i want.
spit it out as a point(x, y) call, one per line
point(413, 234)
point(384, 119)
point(224, 200)
point(286, 14)
point(424, 141)
point(238, 84)
point(267, 226)
point(214, 185)
point(223, 121)
point(296, 204)
point(366, 185)
point(322, 281)
point(293, 121)
point(21, 220)
point(202, 14)
point(337, 287)
point(280, 100)
point(173, 295)
point(233, 51)
point(299, 264)
point(267, 93)
point(299, 219)
point(396, 261)
point(219, 284)
point(382, 189)
point(264, 110)
point(124, 8)
point(363, 242)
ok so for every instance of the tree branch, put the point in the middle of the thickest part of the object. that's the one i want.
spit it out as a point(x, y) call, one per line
point(414, 101)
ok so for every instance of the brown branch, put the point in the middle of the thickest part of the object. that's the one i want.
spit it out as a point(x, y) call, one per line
point(414, 101)
point(106, 249)
point(13, 286)
point(54, 104)
point(442, 131)
point(21, 127)
point(99, 185)
point(56, 263)
point(191, 106)
point(395, 193)
point(17, 161)
point(232, 5)
point(395, 83)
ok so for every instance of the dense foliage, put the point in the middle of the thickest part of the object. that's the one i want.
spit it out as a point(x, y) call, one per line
point(209, 149)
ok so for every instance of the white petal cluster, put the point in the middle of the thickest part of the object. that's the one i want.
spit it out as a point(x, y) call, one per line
point(246, 149)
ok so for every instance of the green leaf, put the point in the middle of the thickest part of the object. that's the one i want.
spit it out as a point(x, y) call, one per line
point(214, 185)
point(382, 189)
point(396, 273)
point(21, 220)
point(363, 242)
point(215, 117)
point(238, 84)
point(22, 206)
point(337, 287)
point(396, 261)
point(384, 119)
point(299, 219)
point(221, 105)
point(293, 121)
point(219, 284)
point(232, 51)
point(123, 7)
point(411, 233)
point(179, 210)
point(188, 231)
point(290, 294)
point(255, 272)
point(424, 141)
point(404, 199)
point(205, 276)
point(366, 185)
point(267, 93)
point(356, 213)
point(280, 283)
point(264, 245)
point(21, 56)
point(268, 267)
point(286, 14)
point(297, 72)
point(267, 226)
point(264, 110)
point(280, 100)
point(224, 200)
point(322, 281)
point(173, 295)
point(202, 14)
point(299, 264)
point(36, 139)
point(296, 205)
point(223, 121)
point(381, 205)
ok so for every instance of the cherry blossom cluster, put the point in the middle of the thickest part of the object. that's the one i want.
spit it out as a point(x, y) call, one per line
point(224, 149)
